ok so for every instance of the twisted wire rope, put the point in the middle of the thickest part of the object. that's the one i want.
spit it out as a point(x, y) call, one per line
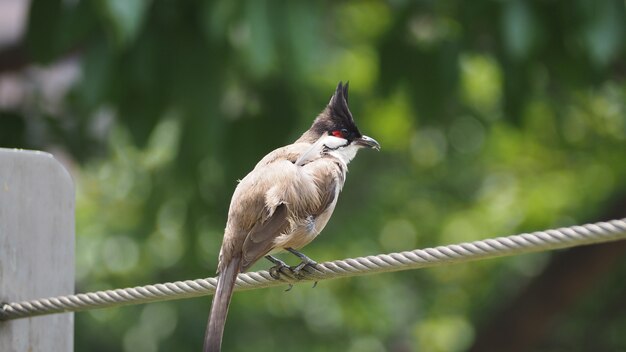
point(419, 258)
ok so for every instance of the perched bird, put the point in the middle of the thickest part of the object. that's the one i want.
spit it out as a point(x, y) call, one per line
point(285, 202)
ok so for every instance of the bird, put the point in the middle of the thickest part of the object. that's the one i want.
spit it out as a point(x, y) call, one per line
point(285, 202)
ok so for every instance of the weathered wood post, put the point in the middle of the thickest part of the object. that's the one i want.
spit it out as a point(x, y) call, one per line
point(36, 247)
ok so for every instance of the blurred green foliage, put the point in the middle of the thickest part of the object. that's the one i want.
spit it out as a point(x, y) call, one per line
point(495, 117)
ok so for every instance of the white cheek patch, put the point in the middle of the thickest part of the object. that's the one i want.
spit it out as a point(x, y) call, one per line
point(333, 142)
point(316, 149)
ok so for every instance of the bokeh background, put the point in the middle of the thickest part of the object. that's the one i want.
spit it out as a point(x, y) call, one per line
point(495, 117)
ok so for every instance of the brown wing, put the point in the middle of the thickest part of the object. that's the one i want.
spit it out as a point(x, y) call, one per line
point(327, 187)
point(261, 238)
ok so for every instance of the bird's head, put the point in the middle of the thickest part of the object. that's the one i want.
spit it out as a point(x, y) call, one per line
point(336, 121)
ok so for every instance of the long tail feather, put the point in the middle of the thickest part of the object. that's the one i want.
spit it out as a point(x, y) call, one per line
point(219, 308)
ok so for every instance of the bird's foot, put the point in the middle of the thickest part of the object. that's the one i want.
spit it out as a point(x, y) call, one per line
point(299, 270)
point(306, 261)
point(278, 268)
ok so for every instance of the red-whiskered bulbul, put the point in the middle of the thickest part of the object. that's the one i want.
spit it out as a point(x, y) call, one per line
point(285, 202)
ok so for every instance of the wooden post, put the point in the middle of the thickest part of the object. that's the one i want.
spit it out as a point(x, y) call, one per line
point(36, 247)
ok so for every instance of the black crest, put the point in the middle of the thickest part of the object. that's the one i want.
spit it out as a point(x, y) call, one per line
point(338, 104)
point(336, 116)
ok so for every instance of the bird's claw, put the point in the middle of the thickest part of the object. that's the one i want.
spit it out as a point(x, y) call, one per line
point(299, 270)
point(306, 261)
point(274, 272)
point(277, 269)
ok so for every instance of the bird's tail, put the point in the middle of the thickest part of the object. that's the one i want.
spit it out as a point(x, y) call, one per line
point(219, 308)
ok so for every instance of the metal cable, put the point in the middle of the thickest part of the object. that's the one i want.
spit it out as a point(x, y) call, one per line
point(420, 258)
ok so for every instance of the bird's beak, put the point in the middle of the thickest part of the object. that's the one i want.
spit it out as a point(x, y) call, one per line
point(368, 142)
